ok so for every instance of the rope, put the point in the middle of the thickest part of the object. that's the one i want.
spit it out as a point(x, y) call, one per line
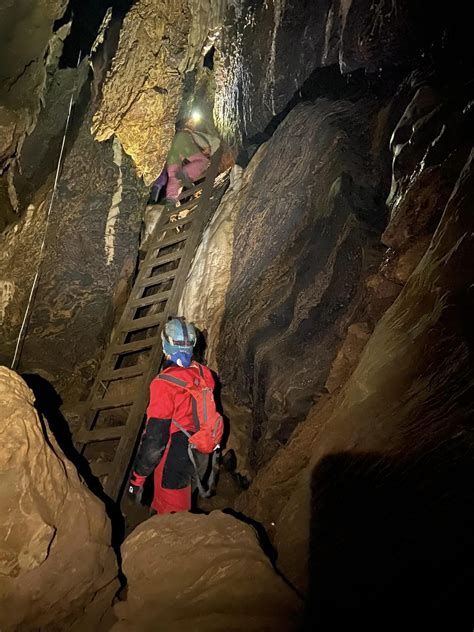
point(26, 319)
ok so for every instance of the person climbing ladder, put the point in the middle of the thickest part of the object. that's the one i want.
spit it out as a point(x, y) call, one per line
point(183, 425)
point(188, 158)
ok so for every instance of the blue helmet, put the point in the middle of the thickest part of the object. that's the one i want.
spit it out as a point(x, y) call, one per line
point(179, 338)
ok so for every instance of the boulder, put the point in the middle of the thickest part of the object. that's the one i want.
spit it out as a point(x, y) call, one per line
point(57, 568)
point(202, 574)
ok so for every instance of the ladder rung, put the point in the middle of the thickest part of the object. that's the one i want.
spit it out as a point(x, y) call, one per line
point(190, 204)
point(158, 278)
point(179, 222)
point(100, 468)
point(150, 300)
point(142, 323)
point(187, 192)
point(127, 372)
point(103, 404)
point(100, 434)
point(170, 241)
point(138, 345)
point(158, 261)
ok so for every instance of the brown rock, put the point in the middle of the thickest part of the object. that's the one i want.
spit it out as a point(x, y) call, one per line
point(56, 564)
point(347, 356)
point(404, 264)
point(197, 573)
point(25, 37)
point(89, 256)
point(430, 145)
point(303, 245)
point(390, 463)
point(159, 41)
point(381, 292)
point(142, 93)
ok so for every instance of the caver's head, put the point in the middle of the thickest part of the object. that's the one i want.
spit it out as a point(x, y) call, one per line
point(178, 339)
point(192, 121)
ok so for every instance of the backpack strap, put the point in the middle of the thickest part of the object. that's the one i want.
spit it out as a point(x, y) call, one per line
point(172, 379)
point(181, 383)
point(199, 368)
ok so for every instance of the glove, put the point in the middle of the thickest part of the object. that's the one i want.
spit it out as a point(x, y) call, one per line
point(135, 488)
point(135, 492)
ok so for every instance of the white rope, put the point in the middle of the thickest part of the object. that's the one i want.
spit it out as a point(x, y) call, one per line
point(24, 325)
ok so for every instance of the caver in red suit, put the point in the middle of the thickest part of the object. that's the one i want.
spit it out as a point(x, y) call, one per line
point(163, 447)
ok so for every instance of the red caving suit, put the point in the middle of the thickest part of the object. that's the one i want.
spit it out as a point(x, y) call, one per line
point(163, 447)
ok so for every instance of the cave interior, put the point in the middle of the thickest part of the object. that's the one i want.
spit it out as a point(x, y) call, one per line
point(325, 258)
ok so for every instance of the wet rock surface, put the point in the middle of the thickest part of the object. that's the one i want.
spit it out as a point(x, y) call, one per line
point(256, 82)
point(201, 573)
point(57, 568)
point(305, 239)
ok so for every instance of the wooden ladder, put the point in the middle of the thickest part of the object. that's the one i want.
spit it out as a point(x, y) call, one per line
point(115, 408)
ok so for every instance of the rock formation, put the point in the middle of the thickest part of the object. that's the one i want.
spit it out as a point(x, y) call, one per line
point(269, 50)
point(303, 245)
point(333, 286)
point(389, 441)
point(26, 38)
point(204, 295)
point(57, 568)
point(90, 250)
point(160, 40)
point(201, 573)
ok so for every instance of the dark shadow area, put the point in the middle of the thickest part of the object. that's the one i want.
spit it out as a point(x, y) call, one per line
point(391, 543)
point(48, 405)
point(446, 57)
point(87, 16)
point(209, 58)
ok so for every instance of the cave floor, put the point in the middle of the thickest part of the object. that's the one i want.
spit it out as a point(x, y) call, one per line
point(226, 493)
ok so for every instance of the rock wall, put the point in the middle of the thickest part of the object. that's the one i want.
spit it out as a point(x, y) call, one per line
point(201, 573)
point(306, 237)
point(57, 568)
point(90, 253)
point(431, 117)
point(203, 297)
point(371, 471)
point(26, 44)
point(255, 83)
